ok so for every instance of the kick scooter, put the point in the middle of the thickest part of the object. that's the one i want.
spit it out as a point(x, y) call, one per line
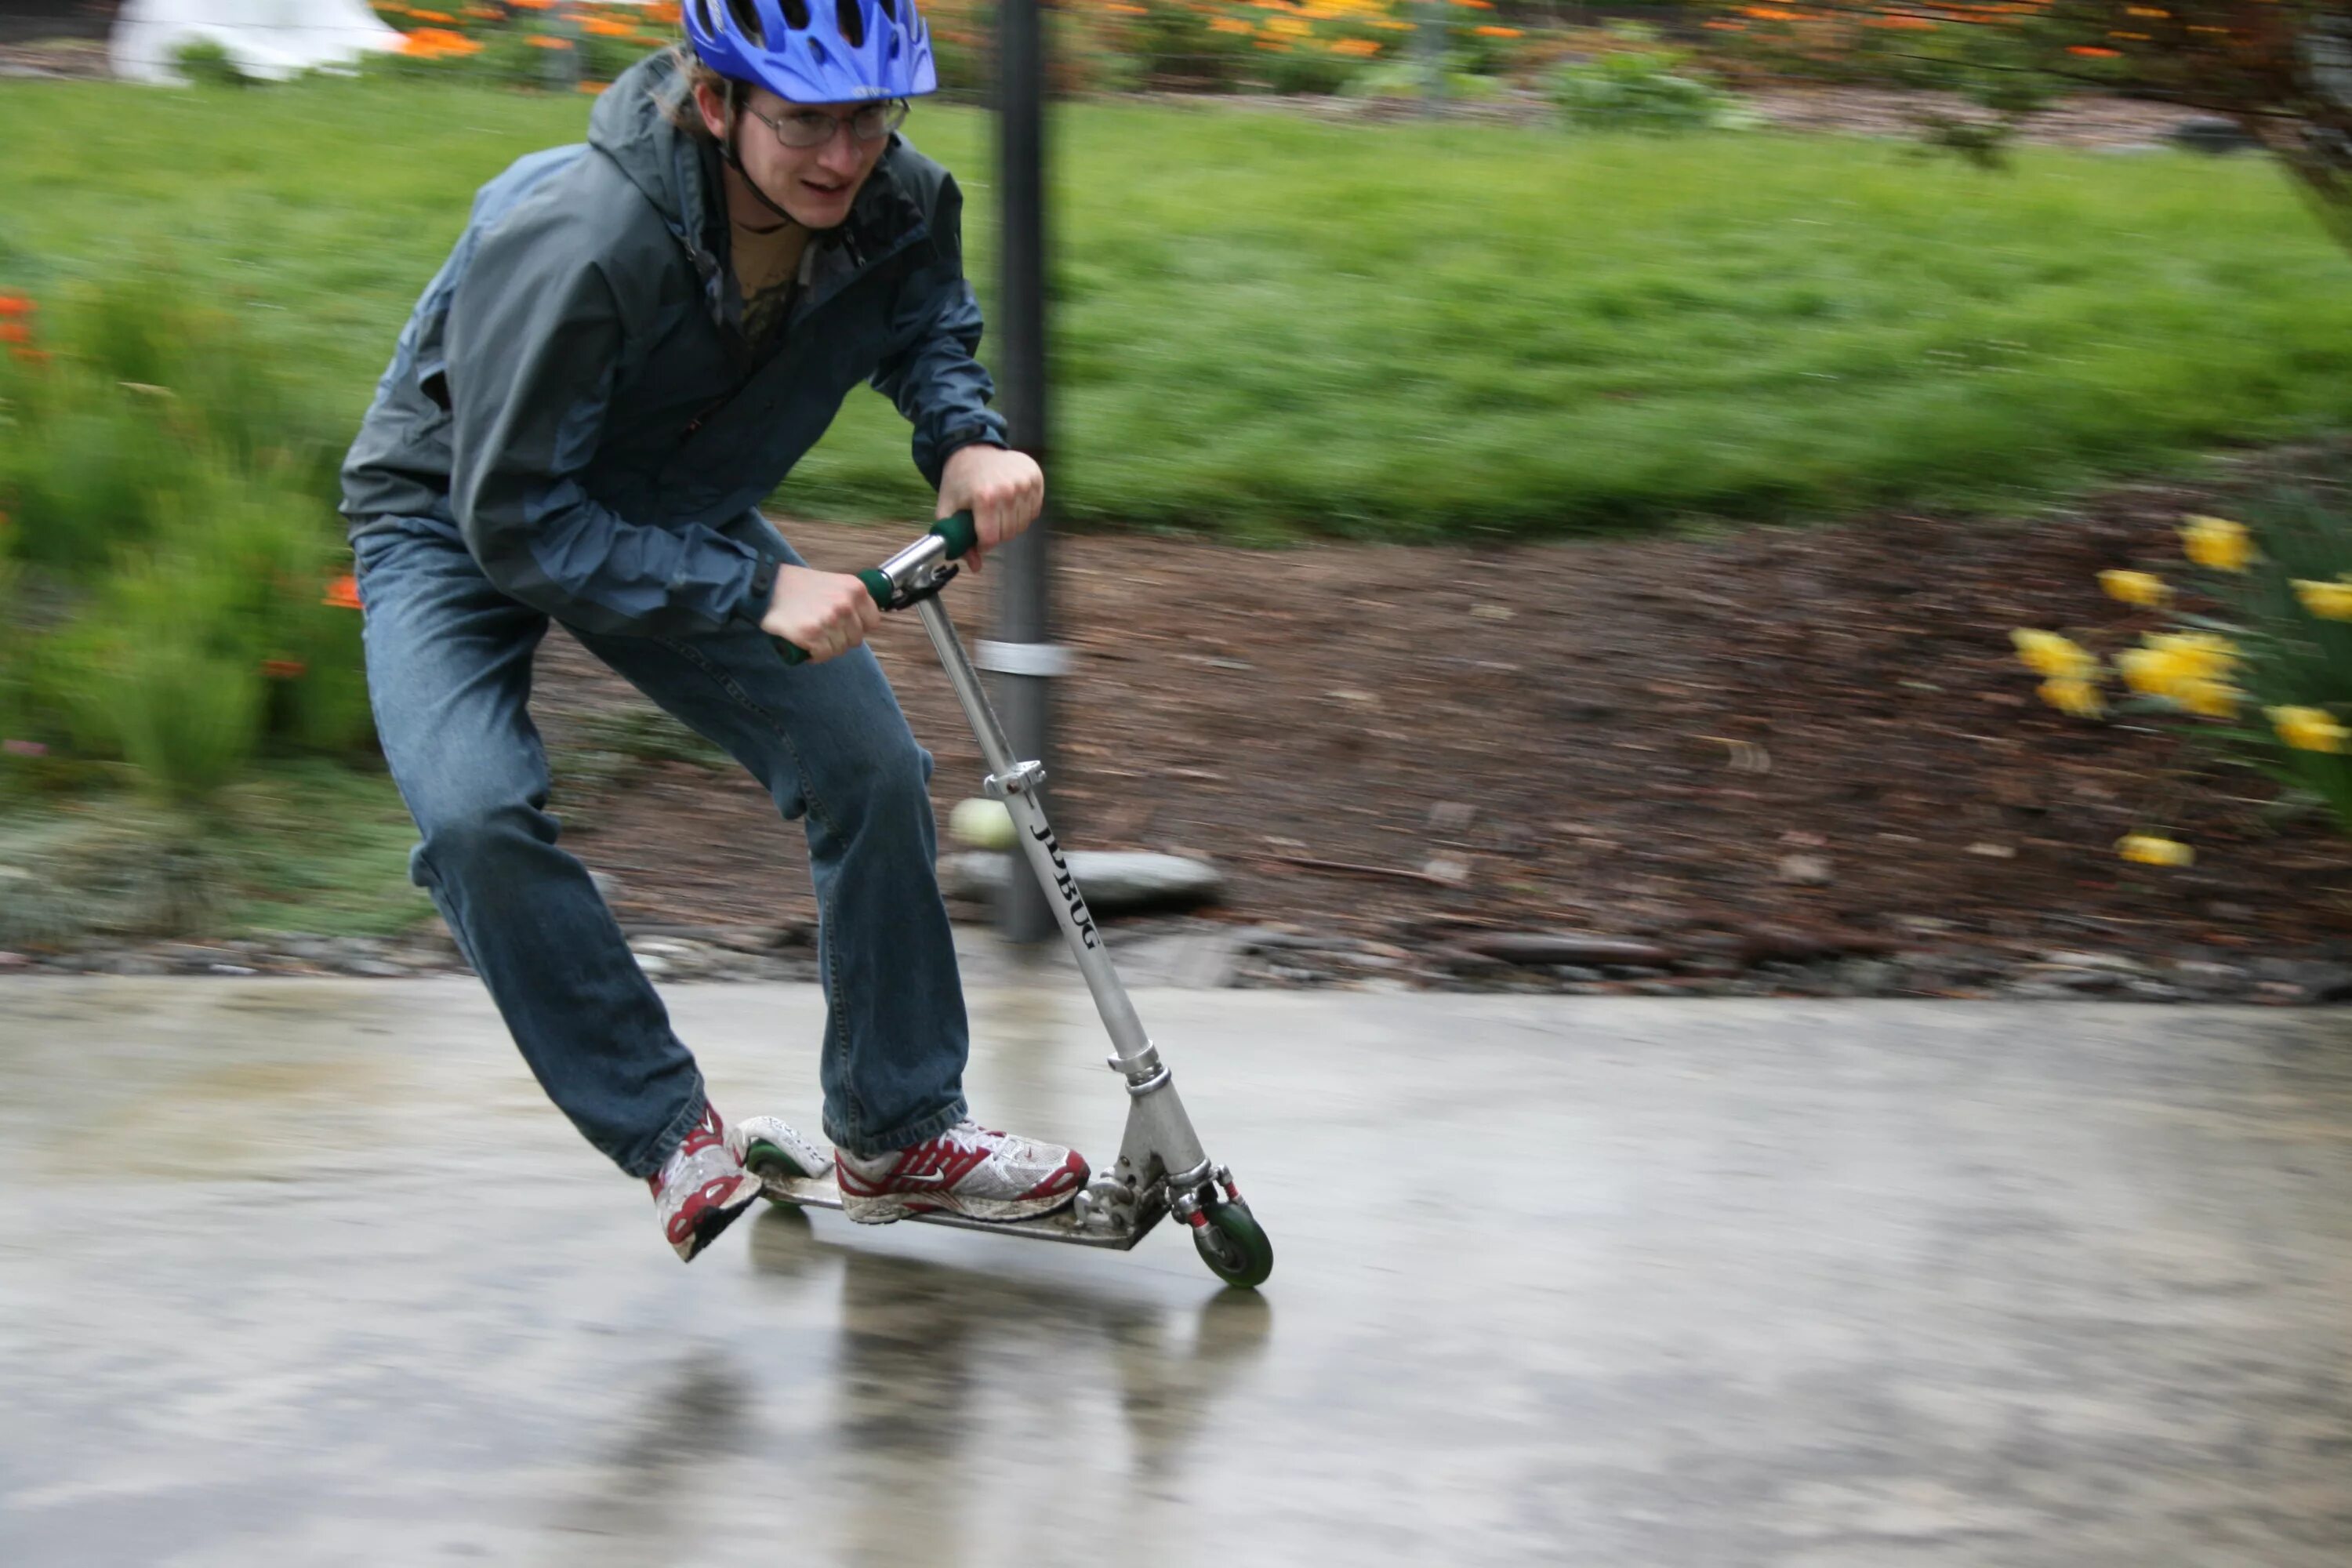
point(1161, 1167)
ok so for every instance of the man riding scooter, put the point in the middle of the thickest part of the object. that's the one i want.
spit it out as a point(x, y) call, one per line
point(632, 344)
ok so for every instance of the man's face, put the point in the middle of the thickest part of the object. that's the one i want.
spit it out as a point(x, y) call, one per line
point(815, 185)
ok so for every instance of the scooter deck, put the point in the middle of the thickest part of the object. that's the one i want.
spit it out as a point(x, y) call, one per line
point(1062, 1225)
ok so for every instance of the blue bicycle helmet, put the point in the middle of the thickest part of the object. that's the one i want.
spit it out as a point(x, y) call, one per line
point(816, 51)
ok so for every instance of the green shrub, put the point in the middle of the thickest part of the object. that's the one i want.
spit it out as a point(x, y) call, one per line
point(102, 432)
point(1311, 70)
point(1637, 88)
point(1175, 46)
point(189, 723)
point(15, 639)
point(1402, 77)
point(206, 64)
point(166, 498)
point(83, 480)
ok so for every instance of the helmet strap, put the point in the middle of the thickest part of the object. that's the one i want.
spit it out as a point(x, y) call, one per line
point(735, 162)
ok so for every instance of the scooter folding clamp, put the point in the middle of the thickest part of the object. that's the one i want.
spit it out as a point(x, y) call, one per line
point(924, 585)
point(1022, 778)
point(1141, 1071)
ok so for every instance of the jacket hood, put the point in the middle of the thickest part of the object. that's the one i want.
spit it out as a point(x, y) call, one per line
point(631, 125)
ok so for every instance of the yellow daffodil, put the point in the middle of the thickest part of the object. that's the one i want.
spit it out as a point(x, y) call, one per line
point(2307, 728)
point(2145, 589)
point(2149, 849)
point(2144, 670)
point(2179, 666)
point(2328, 601)
point(2068, 695)
point(2047, 653)
point(2206, 699)
point(2218, 542)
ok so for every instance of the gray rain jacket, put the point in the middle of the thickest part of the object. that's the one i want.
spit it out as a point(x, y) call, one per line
point(575, 399)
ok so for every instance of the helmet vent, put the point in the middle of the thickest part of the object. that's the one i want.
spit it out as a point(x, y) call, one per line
point(817, 50)
point(746, 22)
point(796, 15)
point(851, 18)
point(894, 47)
point(702, 10)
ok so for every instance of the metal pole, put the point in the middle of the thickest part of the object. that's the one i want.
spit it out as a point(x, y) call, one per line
point(563, 69)
point(1429, 50)
point(1022, 657)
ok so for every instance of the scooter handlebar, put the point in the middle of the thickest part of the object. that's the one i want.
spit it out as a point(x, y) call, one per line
point(960, 533)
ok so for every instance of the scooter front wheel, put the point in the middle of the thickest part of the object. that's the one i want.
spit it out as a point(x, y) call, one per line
point(1231, 1243)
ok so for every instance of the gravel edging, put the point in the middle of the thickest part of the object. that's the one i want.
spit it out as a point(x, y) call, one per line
point(1196, 954)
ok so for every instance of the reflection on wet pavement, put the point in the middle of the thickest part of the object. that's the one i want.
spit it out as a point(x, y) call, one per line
point(309, 1273)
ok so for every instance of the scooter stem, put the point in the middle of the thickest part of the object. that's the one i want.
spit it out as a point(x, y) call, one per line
point(1015, 782)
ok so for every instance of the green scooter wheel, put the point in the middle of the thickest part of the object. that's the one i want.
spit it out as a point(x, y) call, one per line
point(765, 1159)
point(1232, 1245)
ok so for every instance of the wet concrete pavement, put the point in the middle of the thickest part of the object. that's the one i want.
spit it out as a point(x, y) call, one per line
point(306, 1272)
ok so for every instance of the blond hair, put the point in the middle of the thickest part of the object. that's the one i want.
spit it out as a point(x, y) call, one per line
point(678, 105)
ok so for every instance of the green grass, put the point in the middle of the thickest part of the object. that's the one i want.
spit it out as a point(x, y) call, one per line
point(309, 847)
point(344, 873)
point(1267, 325)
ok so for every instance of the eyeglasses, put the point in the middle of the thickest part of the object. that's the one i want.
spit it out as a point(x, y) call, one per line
point(806, 128)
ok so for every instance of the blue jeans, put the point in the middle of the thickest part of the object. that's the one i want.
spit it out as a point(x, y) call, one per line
point(449, 665)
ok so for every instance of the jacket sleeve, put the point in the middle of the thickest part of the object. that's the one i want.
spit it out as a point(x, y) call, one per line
point(533, 356)
point(930, 371)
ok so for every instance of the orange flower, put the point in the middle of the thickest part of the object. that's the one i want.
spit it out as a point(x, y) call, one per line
point(14, 332)
point(1498, 32)
point(343, 593)
point(282, 669)
point(1360, 48)
point(32, 356)
point(592, 87)
point(548, 41)
point(2092, 52)
point(14, 305)
point(432, 43)
point(606, 28)
point(532, 4)
point(434, 16)
point(1476, 5)
point(664, 12)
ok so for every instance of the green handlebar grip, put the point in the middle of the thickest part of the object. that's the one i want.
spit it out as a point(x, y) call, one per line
point(961, 534)
point(960, 531)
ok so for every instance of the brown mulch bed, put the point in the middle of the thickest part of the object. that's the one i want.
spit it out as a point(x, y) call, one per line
point(1780, 743)
point(2092, 123)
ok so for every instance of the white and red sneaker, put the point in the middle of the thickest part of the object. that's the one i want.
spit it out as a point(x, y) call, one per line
point(966, 1169)
point(702, 1187)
